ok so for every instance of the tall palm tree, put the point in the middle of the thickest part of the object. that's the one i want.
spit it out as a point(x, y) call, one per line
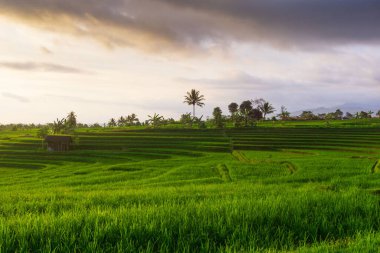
point(266, 108)
point(194, 98)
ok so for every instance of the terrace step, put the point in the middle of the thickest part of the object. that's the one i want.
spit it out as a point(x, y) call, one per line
point(291, 167)
point(376, 167)
point(224, 172)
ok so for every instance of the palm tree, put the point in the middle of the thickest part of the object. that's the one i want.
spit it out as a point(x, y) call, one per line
point(132, 119)
point(155, 120)
point(284, 113)
point(194, 98)
point(121, 121)
point(112, 123)
point(71, 120)
point(266, 108)
point(59, 126)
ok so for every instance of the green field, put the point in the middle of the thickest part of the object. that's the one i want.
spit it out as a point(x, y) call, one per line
point(266, 189)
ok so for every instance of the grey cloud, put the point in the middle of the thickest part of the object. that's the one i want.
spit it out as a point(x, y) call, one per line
point(245, 82)
point(200, 23)
point(16, 97)
point(307, 20)
point(331, 79)
point(44, 67)
point(376, 77)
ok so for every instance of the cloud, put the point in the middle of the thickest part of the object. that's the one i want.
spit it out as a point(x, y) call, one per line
point(157, 104)
point(44, 67)
point(46, 50)
point(245, 82)
point(16, 97)
point(201, 24)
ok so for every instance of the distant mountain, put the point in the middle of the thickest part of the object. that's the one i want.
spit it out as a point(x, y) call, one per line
point(347, 107)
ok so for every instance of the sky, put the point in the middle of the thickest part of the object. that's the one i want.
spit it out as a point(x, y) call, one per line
point(104, 59)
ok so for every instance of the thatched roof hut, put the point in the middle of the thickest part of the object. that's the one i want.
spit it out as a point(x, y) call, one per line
point(59, 143)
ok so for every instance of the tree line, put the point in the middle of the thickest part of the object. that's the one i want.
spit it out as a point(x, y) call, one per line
point(244, 114)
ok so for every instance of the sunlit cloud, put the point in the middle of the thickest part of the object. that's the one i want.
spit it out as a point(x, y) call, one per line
point(18, 98)
point(46, 50)
point(43, 67)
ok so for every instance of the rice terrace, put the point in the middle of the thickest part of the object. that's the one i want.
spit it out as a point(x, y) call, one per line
point(269, 188)
point(178, 126)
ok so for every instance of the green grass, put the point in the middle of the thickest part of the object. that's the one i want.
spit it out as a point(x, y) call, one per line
point(267, 189)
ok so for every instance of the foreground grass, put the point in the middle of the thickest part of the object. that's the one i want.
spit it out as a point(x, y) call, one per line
point(265, 190)
point(193, 219)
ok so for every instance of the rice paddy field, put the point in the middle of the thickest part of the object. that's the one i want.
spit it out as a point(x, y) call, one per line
point(265, 189)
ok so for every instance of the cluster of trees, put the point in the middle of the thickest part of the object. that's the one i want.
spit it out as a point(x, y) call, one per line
point(249, 112)
point(154, 121)
point(60, 126)
point(243, 115)
point(362, 115)
point(15, 127)
point(192, 97)
point(309, 115)
point(187, 120)
point(337, 115)
point(20, 126)
point(130, 120)
point(65, 125)
point(246, 114)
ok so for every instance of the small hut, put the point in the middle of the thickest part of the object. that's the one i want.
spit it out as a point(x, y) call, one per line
point(58, 143)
